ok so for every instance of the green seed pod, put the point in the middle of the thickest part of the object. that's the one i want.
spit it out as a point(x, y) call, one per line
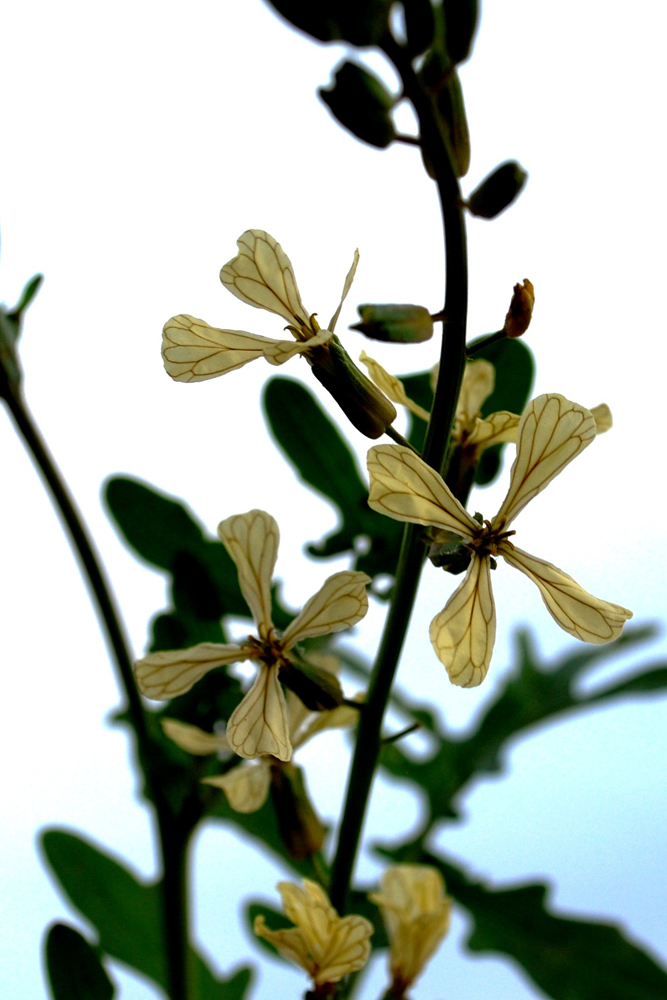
point(362, 403)
point(498, 190)
point(397, 324)
point(299, 825)
point(361, 103)
point(318, 689)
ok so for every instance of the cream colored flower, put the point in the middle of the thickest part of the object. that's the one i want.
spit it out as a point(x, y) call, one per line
point(259, 723)
point(551, 433)
point(327, 946)
point(416, 913)
point(261, 275)
point(247, 785)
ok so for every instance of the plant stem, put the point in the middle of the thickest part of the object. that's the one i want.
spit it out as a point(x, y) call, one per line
point(411, 556)
point(173, 843)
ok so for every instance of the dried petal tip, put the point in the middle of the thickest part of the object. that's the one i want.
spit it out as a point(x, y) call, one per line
point(416, 913)
point(327, 946)
point(520, 312)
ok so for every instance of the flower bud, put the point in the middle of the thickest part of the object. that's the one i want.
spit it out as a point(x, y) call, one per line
point(498, 190)
point(520, 312)
point(398, 324)
point(362, 403)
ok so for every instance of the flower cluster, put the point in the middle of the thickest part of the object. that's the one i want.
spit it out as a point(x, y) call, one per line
point(552, 431)
point(259, 724)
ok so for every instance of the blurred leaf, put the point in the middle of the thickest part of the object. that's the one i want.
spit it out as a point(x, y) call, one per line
point(126, 914)
point(361, 22)
point(515, 372)
point(362, 104)
point(74, 968)
point(532, 694)
point(498, 190)
point(323, 460)
point(398, 324)
point(569, 959)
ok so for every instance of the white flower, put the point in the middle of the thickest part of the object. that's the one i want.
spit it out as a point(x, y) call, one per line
point(327, 946)
point(261, 275)
point(551, 433)
point(259, 723)
point(247, 785)
point(416, 913)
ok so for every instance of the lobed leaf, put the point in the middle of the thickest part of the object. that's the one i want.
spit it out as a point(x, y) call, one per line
point(74, 969)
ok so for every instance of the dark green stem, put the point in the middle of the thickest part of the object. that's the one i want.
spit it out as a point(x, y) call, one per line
point(172, 842)
point(411, 557)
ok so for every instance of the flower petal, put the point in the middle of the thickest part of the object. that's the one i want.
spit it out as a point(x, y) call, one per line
point(340, 603)
point(193, 351)
point(258, 725)
point(252, 542)
point(553, 430)
point(262, 275)
point(464, 632)
point(497, 428)
point(169, 673)
point(404, 487)
point(479, 378)
point(192, 739)
point(586, 617)
point(246, 786)
point(346, 287)
point(391, 386)
point(603, 418)
point(290, 941)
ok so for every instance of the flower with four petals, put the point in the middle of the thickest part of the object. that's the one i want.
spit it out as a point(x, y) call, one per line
point(261, 275)
point(327, 946)
point(552, 431)
point(259, 724)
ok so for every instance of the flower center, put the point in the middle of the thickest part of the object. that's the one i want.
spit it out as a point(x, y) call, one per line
point(490, 537)
point(268, 651)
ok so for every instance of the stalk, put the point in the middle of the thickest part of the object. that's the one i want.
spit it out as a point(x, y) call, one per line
point(411, 556)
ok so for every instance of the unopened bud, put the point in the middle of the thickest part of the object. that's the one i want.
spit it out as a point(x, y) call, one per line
point(497, 191)
point(520, 312)
point(397, 324)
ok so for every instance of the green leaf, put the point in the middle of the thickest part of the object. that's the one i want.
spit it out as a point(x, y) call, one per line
point(361, 22)
point(515, 372)
point(534, 693)
point(126, 914)
point(498, 190)
point(362, 104)
point(397, 324)
point(323, 460)
point(74, 968)
point(570, 959)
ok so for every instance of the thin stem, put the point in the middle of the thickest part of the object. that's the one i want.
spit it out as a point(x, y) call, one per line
point(411, 556)
point(173, 843)
point(398, 438)
point(479, 345)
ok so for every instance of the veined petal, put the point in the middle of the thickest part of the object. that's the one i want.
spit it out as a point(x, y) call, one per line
point(290, 942)
point(169, 673)
point(576, 611)
point(258, 725)
point(341, 717)
point(391, 386)
point(346, 287)
point(193, 351)
point(262, 275)
point(553, 430)
point(497, 428)
point(464, 632)
point(246, 786)
point(479, 378)
point(192, 739)
point(340, 603)
point(252, 542)
point(404, 487)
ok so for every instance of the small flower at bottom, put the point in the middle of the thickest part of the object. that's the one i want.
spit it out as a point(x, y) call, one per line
point(416, 913)
point(552, 432)
point(327, 946)
point(259, 723)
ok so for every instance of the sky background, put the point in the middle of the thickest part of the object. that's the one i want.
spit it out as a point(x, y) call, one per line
point(140, 140)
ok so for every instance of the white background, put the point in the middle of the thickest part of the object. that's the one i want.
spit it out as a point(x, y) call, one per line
point(139, 141)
